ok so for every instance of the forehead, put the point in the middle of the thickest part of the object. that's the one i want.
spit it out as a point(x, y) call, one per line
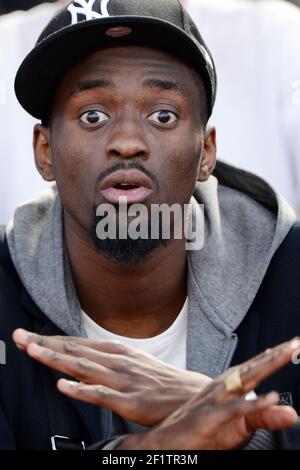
point(114, 63)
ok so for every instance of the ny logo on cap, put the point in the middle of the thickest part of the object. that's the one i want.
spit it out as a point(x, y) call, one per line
point(85, 8)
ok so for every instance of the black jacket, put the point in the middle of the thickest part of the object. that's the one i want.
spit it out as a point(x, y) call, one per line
point(32, 410)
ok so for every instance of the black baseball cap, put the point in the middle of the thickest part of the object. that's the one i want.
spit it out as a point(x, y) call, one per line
point(85, 26)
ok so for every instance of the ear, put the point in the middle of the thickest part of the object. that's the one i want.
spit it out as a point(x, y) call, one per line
point(42, 152)
point(208, 158)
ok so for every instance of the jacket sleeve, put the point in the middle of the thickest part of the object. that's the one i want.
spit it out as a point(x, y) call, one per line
point(108, 444)
point(289, 439)
point(286, 439)
point(263, 440)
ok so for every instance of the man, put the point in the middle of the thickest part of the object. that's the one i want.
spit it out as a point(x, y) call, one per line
point(124, 116)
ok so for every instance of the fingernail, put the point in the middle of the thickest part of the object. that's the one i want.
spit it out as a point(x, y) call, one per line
point(20, 336)
point(68, 383)
point(295, 343)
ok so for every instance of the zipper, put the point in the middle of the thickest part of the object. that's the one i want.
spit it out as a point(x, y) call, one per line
point(232, 348)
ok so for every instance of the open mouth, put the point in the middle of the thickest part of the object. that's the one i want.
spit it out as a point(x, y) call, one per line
point(133, 185)
point(126, 186)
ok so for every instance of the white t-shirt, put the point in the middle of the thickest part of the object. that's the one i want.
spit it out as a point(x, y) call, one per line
point(169, 346)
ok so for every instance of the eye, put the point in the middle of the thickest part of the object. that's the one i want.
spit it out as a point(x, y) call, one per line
point(94, 117)
point(163, 117)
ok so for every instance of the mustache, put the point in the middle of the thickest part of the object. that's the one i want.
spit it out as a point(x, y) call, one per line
point(129, 166)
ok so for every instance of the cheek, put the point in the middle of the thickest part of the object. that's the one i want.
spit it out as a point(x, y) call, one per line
point(180, 168)
point(69, 167)
point(75, 177)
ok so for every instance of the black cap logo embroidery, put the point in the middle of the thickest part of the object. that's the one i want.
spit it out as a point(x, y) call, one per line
point(85, 8)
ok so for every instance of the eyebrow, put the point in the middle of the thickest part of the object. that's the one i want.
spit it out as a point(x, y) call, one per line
point(90, 85)
point(165, 85)
point(150, 83)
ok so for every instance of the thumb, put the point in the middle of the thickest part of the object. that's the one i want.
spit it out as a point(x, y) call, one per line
point(274, 418)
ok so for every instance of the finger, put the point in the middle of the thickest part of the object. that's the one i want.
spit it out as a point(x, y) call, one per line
point(77, 348)
point(95, 394)
point(78, 367)
point(119, 359)
point(23, 338)
point(273, 418)
point(225, 412)
point(102, 396)
point(254, 371)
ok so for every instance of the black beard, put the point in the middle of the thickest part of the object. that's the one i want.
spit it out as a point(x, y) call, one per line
point(127, 251)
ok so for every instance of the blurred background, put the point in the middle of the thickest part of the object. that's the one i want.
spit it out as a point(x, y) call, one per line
point(256, 48)
point(7, 6)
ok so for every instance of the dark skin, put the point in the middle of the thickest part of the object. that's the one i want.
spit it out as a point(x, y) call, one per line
point(186, 410)
point(211, 417)
point(130, 130)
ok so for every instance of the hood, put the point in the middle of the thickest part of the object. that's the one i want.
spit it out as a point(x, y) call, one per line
point(245, 223)
point(35, 239)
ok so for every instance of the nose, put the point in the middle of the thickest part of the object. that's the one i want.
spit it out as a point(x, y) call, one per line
point(127, 140)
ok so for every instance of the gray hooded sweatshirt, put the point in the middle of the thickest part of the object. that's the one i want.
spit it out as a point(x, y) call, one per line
point(246, 221)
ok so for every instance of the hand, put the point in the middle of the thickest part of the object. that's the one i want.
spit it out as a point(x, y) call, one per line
point(218, 419)
point(226, 421)
point(133, 384)
point(212, 419)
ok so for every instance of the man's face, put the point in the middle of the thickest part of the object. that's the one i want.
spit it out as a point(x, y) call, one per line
point(125, 108)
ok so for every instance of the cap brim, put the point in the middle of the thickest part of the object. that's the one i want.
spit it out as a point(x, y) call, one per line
point(45, 66)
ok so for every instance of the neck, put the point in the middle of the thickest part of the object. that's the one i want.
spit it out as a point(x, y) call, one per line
point(136, 301)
